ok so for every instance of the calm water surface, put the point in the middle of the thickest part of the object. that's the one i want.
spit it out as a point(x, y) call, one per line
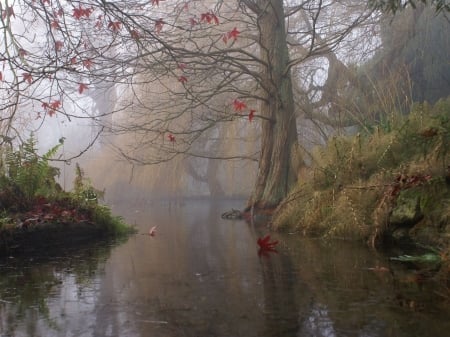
point(202, 276)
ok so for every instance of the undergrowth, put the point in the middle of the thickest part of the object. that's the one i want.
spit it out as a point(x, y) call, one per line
point(354, 183)
point(31, 197)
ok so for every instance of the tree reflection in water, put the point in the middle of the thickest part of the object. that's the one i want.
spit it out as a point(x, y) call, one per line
point(202, 276)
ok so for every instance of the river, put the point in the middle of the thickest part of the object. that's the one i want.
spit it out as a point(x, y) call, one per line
point(202, 276)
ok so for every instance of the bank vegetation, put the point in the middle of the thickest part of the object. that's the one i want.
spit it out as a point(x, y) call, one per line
point(389, 182)
point(36, 213)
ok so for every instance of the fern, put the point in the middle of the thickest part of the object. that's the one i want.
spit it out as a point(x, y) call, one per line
point(29, 172)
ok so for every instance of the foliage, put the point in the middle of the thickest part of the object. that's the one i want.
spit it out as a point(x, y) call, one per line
point(28, 173)
point(83, 190)
point(32, 201)
point(354, 182)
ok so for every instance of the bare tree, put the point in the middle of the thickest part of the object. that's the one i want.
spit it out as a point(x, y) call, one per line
point(180, 69)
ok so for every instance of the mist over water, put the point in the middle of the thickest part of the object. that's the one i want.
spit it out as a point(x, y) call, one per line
point(201, 275)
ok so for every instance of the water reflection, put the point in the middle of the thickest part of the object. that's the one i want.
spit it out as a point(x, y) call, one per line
point(202, 276)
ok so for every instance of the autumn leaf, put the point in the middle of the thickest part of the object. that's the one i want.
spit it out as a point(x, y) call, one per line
point(8, 12)
point(266, 246)
point(135, 34)
point(53, 107)
point(171, 138)
point(80, 12)
point(82, 87)
point(73, 60)
point(22, 52)
point(159, 25)
point(156, 2)
point(234, 33)
point(251, 115)
point(182, 79)
point(192, 21)
point(114, 26)
point(55, 24)
point(55, 104)
point(59, 45)
point(27, 77)
point(1, 76)
point(87, 64)
point(239, 105)
point(209, 17)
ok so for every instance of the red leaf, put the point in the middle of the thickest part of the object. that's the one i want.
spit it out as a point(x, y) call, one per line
point(1, 76)
point(82, 87)
point(182, 79)
point(216, 20)
point(55, 104)
point(135, 34)
point(8, 12)
point(114, 26)
point(239, 105)
point(73, 60)
point(193, 21)
point(171, 138)
point(87, 63)
point(52, 107)
point(22, 52)
point(234, 33)
point(159, 25)
point(79, 12)
point(251, 115)
point(99, 23)
point(59, 45)
point(55, 24)
point(209, 17)
point(27, 77)
point(182, 66)
point(156, 2)
point(266, 244)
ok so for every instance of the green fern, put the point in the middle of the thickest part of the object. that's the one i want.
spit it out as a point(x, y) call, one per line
point(29, 172)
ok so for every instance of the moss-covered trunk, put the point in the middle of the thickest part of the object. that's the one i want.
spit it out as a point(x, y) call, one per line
point(279, 160)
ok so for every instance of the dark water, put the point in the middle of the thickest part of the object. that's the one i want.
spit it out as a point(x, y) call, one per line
point(202, 276)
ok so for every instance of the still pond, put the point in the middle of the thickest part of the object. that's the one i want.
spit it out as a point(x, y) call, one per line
point(202, 276)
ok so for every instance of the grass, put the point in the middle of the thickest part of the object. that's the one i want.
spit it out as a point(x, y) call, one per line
point(355, 182)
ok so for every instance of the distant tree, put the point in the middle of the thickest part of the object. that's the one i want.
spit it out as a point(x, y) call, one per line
point(418, 42)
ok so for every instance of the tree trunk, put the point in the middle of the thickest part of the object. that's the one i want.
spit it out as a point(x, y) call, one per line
point(279, 158)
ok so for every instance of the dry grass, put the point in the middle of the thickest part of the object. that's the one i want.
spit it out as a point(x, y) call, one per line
point(348, 190)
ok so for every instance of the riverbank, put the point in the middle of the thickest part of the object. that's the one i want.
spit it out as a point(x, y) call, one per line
point(36, 213)
point(49, 225)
